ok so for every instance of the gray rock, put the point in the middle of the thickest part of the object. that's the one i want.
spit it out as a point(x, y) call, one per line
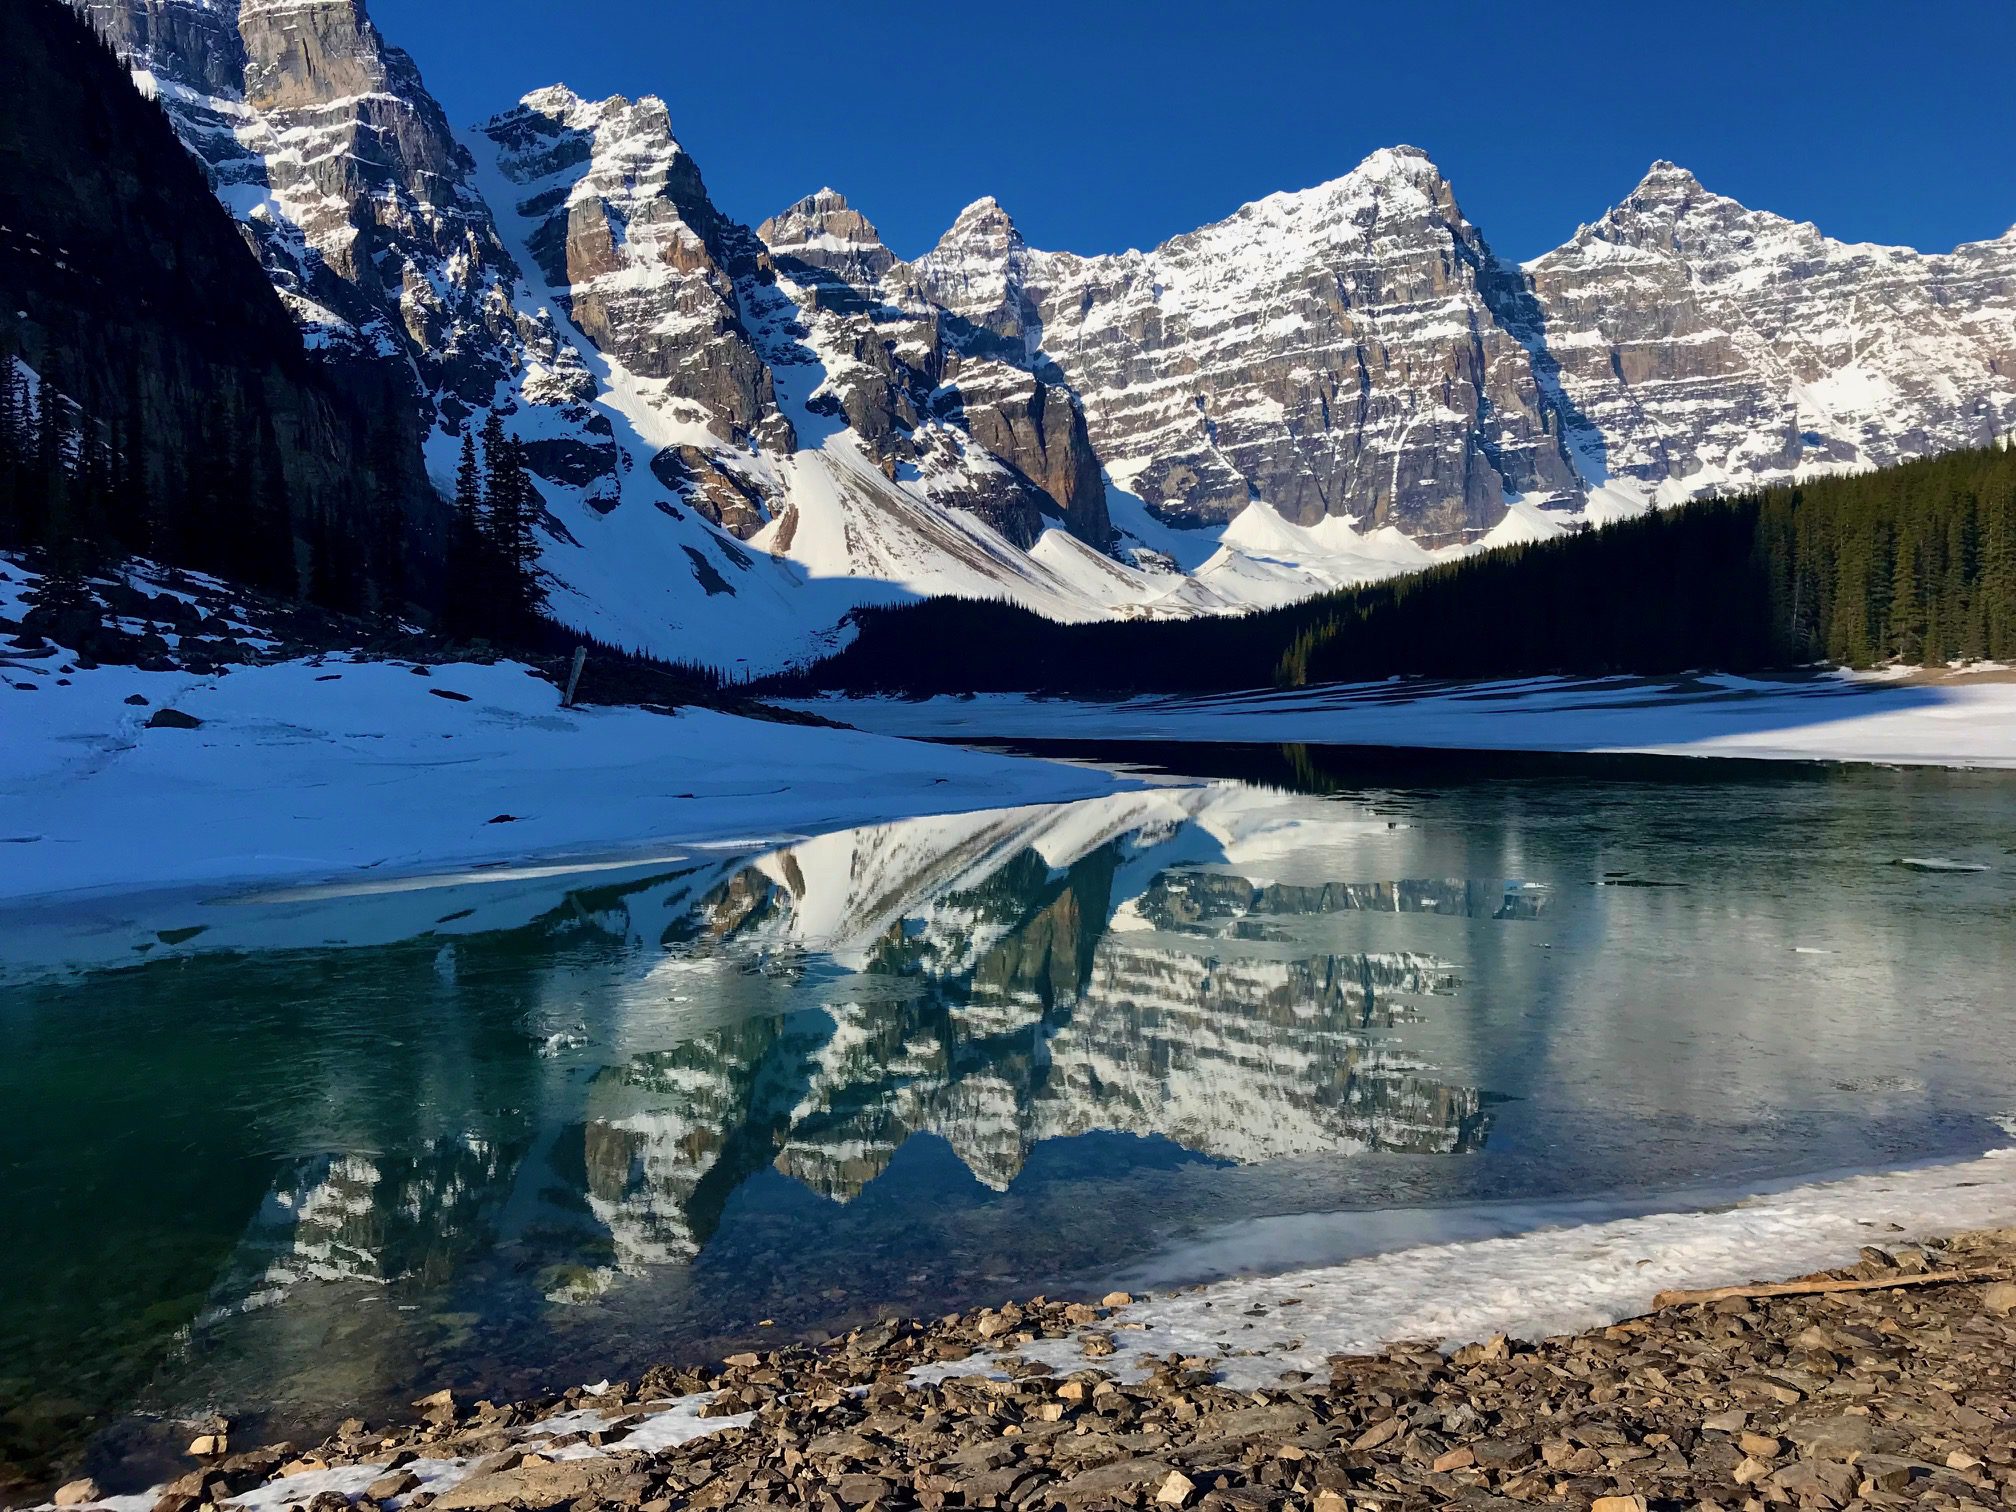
point(396, 1483)
point(641, 261)
point(539, 1483)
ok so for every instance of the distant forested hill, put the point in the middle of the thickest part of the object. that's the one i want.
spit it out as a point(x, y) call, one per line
point(1915, 563)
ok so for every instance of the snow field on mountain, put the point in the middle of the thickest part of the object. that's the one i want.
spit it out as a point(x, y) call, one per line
point(1955, 721)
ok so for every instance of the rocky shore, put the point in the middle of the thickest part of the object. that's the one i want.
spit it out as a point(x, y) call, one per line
point(1901, 1394)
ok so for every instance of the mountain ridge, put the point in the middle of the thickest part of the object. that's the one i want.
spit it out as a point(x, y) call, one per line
point(743, 434)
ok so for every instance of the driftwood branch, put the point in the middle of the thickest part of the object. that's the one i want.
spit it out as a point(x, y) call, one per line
point(1667, 1299)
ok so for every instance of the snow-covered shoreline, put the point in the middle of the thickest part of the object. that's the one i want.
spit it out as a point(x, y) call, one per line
point(1955, 721)
point(1528, 1270)
point(337, 767)
point(1519, 1270)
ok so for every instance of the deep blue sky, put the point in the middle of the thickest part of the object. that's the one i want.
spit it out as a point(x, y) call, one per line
point(1102, 125)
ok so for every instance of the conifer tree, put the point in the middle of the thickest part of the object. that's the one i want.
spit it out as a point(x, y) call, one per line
point(465, 568)
point(12, 427)
point(511, 546)
point(335, 565)
point(136, 506)
point(43, 499)
point(516, 532)
point(1998, 572)
point(63, 554)
point(385, 527)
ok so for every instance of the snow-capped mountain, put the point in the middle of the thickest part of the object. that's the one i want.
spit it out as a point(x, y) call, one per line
point(1338, 352)
point(743, 435)
point(344, 172)
point(1702, 346)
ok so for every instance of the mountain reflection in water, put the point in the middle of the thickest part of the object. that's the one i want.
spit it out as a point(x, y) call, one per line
point(497, 1099)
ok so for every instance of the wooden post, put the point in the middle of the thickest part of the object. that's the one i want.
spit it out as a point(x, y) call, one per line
point(574, 677)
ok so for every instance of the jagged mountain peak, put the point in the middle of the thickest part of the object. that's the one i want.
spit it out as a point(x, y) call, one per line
point(1666, 178)
point(648, 117)
point(1671, 191)
point(1401, 160)
point(823, 212)
point(823, 231)
point(985, 217)
point(977, 269)
point(624, 152)
point(985, 205)
point(554, 100)
point(619, 224)
point(1669, 212)
point(1391, 184)
point(1399, 166)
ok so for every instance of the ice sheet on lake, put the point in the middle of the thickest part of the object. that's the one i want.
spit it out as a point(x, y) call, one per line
point(1956, 721)
point(1353, 1282)
point(369, 769)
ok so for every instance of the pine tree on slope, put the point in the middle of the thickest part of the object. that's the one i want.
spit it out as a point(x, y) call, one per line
point(462, 590)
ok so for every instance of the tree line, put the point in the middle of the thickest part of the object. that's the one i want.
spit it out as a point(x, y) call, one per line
point(83, 486)
point(1913, 564)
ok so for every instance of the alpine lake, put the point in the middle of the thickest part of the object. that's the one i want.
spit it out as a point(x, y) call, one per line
point(293, 1155)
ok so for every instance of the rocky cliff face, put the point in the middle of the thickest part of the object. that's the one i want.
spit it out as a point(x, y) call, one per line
point(924, 386)
point(1703, 346)
point(1332, 352)
point(123, 282)
point(824, 232)
point(325, 144)
point(639, 259)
